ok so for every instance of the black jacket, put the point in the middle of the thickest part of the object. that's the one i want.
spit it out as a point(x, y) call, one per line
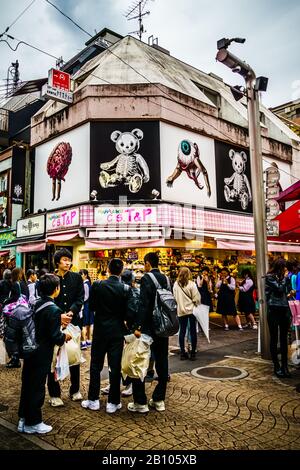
point(108, 299)
point(47, 330)
point(5, 288)
point(147, 300)
point(277, 290)
point(71, 295)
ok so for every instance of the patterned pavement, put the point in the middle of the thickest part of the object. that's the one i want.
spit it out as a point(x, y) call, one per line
point(257, 412)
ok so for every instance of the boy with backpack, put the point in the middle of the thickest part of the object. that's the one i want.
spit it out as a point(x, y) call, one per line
point(37, 365)
point(160, 345)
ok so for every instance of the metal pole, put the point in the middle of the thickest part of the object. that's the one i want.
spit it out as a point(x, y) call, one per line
point(258, 209)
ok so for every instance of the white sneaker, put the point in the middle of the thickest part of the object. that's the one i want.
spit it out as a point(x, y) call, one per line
point(158, 405)
point(127, 391)
point(112, 408)
point(40, 428)
point(76, 396)
point(136, 408)
point(105, 390)
point(21, 424)
point(56, 401)
point(91, 404)
point(254, 326)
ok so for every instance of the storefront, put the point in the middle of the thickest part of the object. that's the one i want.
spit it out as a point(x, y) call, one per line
point(7, 255)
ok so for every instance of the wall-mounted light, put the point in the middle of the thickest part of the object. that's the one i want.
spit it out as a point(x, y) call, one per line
point(94, 195)
point(155, 194)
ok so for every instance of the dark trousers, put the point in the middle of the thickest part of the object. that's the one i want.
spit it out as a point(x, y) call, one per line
point(113, 347)
point(279, 317)
point(183, 322)
point(32, 398)
point(160, 347)
point(54, 387)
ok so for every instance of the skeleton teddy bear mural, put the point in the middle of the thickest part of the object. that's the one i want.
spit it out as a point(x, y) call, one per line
point(237, 186)
point(128, 167)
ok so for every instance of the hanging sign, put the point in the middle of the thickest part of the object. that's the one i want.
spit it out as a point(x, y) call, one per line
point(58, 87)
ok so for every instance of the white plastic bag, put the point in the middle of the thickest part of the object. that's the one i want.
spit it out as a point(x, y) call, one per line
point(201, 312)
point(136, 356)
point(2, 352)
point(73, 346)
point(62, 364)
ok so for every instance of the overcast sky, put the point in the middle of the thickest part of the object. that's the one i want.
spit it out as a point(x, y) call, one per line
point(188, 28)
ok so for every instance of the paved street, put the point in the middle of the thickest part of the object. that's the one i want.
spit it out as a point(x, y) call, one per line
point(257, 412)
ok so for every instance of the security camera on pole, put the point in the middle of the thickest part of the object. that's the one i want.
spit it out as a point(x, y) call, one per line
point(253, 86)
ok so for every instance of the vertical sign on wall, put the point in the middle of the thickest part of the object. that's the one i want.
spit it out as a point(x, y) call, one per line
point(18, 175)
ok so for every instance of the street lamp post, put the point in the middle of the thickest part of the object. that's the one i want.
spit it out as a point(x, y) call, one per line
point(253, 85)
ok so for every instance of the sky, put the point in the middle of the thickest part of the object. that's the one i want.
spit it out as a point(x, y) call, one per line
point(189, 29)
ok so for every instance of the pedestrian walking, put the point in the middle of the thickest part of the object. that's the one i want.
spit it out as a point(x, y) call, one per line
point(246, 300)
point(187, 297)
point(31, 284)
point(37, 366)
point(278, 287)
point(108, 300)
point(159, 345)
point(70, 301)
point(226, 302)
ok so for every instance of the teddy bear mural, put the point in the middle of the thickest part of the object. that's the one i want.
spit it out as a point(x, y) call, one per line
point(237, 186)
point(128, 167)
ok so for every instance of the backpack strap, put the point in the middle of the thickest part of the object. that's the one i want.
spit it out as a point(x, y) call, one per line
point(154, 280)
point(46, 304)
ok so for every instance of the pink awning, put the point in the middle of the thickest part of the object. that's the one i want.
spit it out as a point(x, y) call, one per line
point(61, 237)
point(39, 246)
point(250, 246)
point(292, 193)
point(4, 253)
point(123, 243)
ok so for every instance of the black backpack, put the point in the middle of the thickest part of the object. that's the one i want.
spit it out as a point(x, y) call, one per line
point(165, 319)
point(19, 332)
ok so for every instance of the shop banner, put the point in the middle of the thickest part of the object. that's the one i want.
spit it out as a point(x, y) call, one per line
point(125, 215)
point(31, 226)
point(68, 218)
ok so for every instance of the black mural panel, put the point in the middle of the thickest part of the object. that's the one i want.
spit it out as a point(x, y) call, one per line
point(233, 178)
point(18, 175)
point(125, 159)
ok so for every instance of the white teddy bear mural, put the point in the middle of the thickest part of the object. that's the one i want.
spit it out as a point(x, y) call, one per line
point(238, 186)
point(129, 166)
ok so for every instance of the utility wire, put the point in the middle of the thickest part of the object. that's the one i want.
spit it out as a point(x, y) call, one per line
point(19, 16)
point(64, 14)
point(26, 44)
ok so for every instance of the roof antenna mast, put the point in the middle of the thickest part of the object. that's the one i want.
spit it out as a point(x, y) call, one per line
point(136, 11)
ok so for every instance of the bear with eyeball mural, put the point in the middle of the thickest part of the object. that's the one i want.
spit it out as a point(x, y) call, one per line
point(128, 167)
point(237, 186)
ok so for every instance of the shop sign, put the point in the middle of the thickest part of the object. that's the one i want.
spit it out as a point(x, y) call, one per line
point(133, 255)
point(6, 237)
point(125, 215)
point(58, 86)
point(31, 226)
point(272, 192)
point(272, 228)
point(63, 219)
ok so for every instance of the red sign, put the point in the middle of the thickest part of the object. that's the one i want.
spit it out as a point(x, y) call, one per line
point(59, 79)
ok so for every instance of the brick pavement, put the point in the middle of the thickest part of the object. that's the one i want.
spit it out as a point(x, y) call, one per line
point(257, 412)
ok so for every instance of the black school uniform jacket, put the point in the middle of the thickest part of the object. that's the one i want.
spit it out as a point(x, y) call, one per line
point(71, 295)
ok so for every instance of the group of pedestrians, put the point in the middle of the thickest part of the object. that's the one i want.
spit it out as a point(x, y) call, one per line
point(119, 308)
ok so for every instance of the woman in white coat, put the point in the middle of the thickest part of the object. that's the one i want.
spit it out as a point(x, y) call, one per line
point(187, 296)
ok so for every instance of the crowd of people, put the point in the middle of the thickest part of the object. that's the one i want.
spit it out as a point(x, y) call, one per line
point(107, 310)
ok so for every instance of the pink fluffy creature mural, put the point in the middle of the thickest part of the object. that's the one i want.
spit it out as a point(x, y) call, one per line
point(57, 166)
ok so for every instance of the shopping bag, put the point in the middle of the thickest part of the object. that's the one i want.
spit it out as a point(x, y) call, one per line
point(73, 346)
point(295, 309)
point(2, 352)
point(62, 364)
point(136, 356)
point(201, 312)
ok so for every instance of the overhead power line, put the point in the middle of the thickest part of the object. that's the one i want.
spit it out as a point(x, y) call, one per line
point(74, 22)
point(26, 44)
point(18, 17)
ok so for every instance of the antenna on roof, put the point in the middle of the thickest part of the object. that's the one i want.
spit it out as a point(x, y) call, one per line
point(12, 83)
point(136, 11)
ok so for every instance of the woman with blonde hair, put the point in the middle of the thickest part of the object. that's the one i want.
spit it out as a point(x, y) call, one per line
point(187, 296)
